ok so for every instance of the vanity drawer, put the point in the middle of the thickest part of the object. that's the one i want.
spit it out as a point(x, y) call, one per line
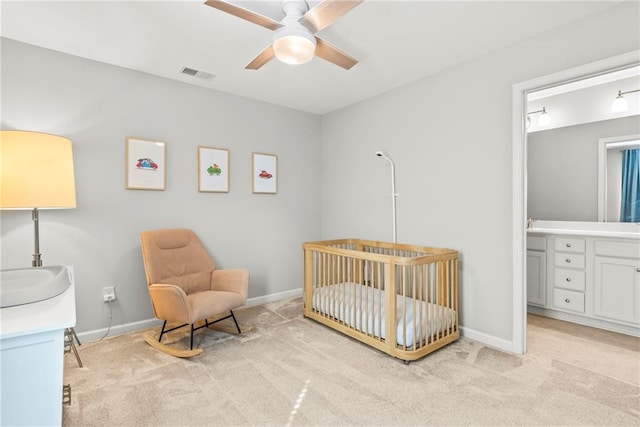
point(612, 248)
point(569, 261)
point(536, 243)
point(567, 244)
point(568, 300)
point(569, 279)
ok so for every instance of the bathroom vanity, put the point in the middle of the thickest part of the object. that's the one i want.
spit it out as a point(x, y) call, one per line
point(32, 347)
point(586, 273)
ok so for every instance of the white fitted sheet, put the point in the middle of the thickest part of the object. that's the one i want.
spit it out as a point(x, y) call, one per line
point(356, 304)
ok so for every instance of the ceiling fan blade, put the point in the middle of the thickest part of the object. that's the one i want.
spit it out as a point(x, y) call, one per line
point(329, 52)
point(265, 56)
point(245, 14)
point(324, 14)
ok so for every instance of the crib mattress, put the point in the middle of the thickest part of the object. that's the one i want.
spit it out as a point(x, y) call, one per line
point(363, 308)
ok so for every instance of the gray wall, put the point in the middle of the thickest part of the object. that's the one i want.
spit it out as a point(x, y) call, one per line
point(563, 169)
point(450, 136)
point(97, 106)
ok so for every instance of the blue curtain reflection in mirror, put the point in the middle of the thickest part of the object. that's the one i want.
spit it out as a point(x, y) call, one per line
point(630, 206)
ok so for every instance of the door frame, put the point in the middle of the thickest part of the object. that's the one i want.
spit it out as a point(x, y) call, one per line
point(519, 163)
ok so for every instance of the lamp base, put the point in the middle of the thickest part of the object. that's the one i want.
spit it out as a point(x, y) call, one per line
point(37, 256)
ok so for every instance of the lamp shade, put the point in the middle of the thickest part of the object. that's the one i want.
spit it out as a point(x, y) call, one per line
point(36, 171)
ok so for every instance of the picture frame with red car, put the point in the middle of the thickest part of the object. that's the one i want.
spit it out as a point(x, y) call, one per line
point(264, 173)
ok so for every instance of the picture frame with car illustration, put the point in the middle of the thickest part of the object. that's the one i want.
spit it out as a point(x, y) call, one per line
point(213, 170)
point(145, 164)
point(264, 173)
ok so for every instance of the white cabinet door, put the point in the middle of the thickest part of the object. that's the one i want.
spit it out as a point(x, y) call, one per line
point(31, 379)
point(617, 289)
point(536, 274)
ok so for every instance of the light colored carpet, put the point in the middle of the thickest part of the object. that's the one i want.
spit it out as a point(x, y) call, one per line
point(289, 370)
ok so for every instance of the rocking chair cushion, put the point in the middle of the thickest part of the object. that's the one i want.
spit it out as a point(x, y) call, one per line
point(211, 303)
point(177, 256)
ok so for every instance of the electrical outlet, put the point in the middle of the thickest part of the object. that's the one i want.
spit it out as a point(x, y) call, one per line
point(109, 293)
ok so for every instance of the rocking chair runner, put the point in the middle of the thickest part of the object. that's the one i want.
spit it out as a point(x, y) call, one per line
point(184, 285)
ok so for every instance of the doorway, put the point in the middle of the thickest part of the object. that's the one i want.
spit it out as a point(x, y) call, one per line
point(520, 175)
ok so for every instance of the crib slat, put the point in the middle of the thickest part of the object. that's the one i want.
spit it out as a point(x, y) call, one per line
point(390, 306)
point(367, 295)
point(455, 291)
point(441, 298)
point(421, 298)
point(341, 289)
point(329, 272)
point(446, 315)
point(380, 288)
point(434, 303)
point(353, 312)
point(415, 307)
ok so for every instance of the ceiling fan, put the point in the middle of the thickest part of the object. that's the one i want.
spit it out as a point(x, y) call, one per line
point(293, 39)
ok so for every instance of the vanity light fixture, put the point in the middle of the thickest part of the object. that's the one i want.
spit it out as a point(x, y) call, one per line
point(619, 104)
point(543, 120)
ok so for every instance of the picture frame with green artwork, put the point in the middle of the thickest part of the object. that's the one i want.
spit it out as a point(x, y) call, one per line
point(213, 170)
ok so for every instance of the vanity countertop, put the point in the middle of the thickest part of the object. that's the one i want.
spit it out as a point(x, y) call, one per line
point(578, 228)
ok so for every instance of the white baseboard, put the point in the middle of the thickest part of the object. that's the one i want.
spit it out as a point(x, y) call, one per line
point(151, 323)
point(273, 297)
point(481, 337)
point(96, 334)
point(586, 321)
point(489, 340)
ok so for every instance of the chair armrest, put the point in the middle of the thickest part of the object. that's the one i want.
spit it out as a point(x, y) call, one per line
point(231, 280)
point(170, 303)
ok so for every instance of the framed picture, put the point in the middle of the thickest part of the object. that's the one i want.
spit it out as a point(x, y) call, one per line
point(264, 173)
point(145, 164)
point(213, 170)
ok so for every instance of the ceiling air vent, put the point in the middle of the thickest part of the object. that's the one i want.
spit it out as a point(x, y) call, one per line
point(196, 73)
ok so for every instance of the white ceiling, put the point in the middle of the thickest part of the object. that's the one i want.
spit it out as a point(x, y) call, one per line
point(396, 41)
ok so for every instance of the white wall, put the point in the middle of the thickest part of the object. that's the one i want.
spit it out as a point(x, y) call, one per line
point(97, 106)
point(450, 136)
point(563, 169)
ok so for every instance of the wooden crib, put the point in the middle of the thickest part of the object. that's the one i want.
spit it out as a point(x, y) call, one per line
point(400, 299)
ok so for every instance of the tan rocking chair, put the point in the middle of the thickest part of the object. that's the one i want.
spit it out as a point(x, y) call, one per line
point(184, 285)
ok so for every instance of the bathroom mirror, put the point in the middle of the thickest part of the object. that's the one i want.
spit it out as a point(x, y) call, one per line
point(610, 174)
point(564, 157)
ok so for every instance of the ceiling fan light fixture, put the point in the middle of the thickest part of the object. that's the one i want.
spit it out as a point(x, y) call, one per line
point(294, 44)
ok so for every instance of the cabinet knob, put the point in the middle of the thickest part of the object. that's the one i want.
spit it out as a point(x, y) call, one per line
point(568, 245)
point(567, 300)
point(568, 279)
point(638, 269)
point(568, 261)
